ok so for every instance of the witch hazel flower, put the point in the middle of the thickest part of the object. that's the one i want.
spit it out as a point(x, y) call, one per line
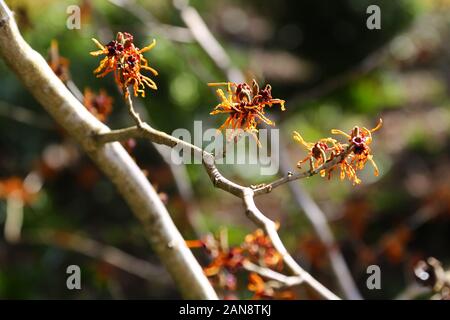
point(126, 62)
point(354, 154)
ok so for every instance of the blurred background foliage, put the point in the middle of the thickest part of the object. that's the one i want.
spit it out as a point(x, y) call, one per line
point(333, 73)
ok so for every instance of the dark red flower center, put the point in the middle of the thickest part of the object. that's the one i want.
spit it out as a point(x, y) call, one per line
point(114, 48)
point(358, 141)
point(360, 144)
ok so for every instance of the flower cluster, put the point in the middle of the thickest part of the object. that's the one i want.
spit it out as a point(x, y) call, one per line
point(260, 250)
point(226, 261)
point(245, 105)
point(355, 153)
point(100, 105)
point(126, 61)
point(318, 152)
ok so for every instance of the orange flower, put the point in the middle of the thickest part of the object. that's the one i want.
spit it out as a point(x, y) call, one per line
point(245, 106)
point(223, 257)
point(394, 244)
point(263, 290)
point(224, 260)
point(100, 105)
point(227, 261)
point(256, 284)
point(260, 250)
point(356, 153)
point(126, 61)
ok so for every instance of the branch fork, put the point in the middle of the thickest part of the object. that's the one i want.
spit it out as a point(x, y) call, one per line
point(247, 194)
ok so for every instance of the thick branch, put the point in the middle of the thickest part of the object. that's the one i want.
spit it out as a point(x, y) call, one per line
point(270, 228)
point(223, 183)
point(219, 181)
point(112, 158)
point(207, 41)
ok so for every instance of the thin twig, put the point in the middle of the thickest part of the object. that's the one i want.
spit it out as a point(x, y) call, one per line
point(210, 45)
point(146, 131)
point(305, 174)
point(219, 181)
point(320, 224)
point(132, 112)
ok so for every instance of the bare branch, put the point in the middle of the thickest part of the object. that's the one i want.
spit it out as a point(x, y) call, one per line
point(219, 181)
point(116, 164)
point(112, 159)
point(320, 224)
point(131, 111)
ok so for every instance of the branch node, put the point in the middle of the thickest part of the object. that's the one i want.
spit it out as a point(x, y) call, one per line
point(171, 245)
point(3, 21)
point(7, 14)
